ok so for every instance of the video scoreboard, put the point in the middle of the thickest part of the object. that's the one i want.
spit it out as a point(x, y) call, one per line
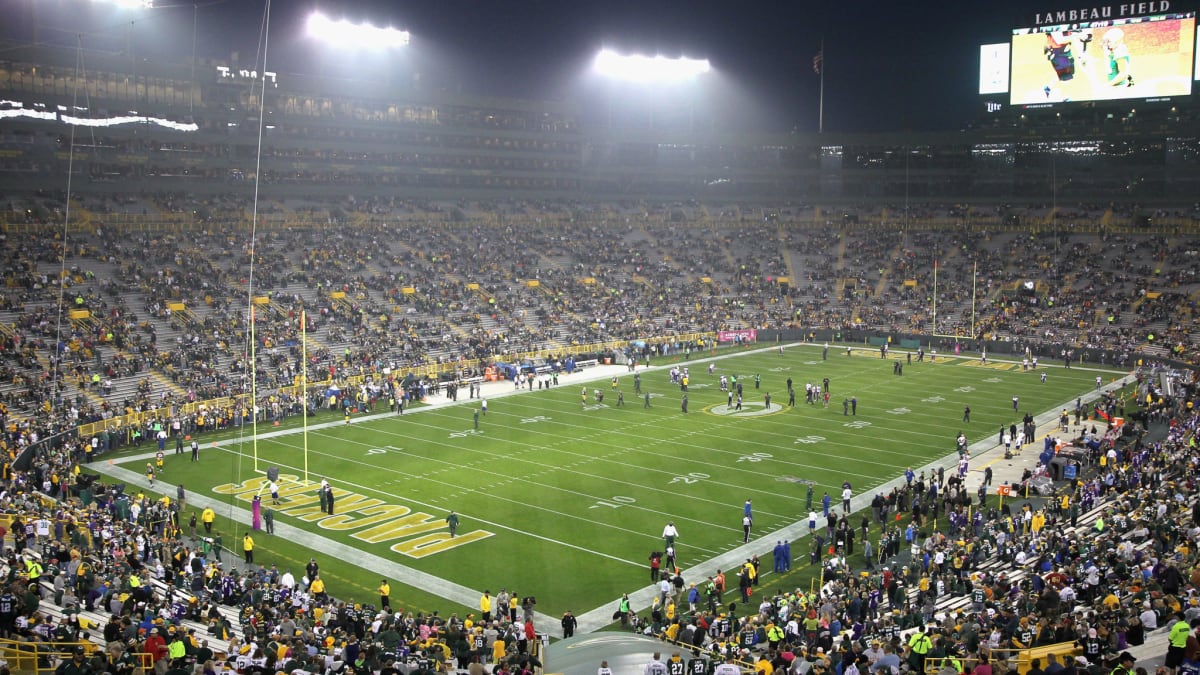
point(1102, 53)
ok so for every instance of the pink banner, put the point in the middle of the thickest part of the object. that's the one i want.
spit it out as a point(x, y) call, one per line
point(744, 335)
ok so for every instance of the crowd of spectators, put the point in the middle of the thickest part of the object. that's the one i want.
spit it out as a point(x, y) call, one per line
point(1100, 566)
point(140, 590)
point(168, 320)
point(379, 295)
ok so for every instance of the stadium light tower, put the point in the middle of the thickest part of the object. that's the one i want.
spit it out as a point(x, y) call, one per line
point(130, 4)
point(346, 34)
point(648, 79)
point(135, 10)
point(137, 5)
point(640, 68)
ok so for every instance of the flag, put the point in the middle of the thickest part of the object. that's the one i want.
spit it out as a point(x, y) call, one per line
point(817, 60)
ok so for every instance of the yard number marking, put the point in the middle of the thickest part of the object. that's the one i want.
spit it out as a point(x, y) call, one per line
point(614, 502)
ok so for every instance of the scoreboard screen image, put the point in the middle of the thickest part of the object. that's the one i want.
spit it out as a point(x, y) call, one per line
point(993, 68)
point(1135, 58)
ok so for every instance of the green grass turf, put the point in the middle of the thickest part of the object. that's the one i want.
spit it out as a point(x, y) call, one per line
point(574, 497)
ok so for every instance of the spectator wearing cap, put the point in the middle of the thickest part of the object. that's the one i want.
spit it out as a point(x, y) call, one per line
point(1148, 616)
point(873, 652)
point(177, 649)
point(1125, 663)
point(77, 665)
point(1193, 605)
point(112, 629)
point(155, 646)
point(124, 656)
point(178, 655)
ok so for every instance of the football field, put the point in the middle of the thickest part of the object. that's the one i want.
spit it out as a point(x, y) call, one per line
point(564, 499)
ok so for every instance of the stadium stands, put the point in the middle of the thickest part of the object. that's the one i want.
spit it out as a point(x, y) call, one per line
point(151, 318)
point(165, 322)
point(436, 238)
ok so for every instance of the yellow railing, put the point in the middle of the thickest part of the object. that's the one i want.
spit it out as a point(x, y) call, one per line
point(218, 405)
point(43, 657)
point(1064, 651)
point(684, 647)
point(1023, 658)
point(962, 665)
point(48, 504)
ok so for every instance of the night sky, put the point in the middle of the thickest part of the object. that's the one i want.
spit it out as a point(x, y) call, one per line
point(889, 66)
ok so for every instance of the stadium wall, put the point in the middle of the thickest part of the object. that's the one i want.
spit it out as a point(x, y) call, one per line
point(1049, 350)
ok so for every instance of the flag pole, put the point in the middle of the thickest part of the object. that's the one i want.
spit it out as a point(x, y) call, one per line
point(253, 387)
point(974, 281)
point(821, 97)
point(935, 297)
point(304, 385)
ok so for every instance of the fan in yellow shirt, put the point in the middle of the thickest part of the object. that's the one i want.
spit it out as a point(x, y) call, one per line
point(498, 650)
point(485, 605)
